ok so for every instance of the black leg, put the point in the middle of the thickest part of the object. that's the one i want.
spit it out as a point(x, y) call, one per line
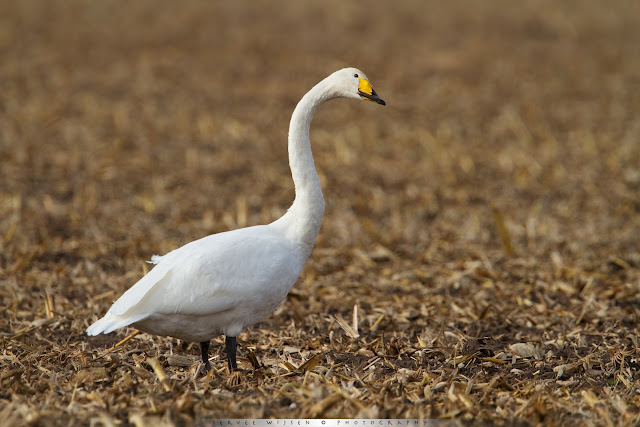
point(231, 345)
point(204, 349)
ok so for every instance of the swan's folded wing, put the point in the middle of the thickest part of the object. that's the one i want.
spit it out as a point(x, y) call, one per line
point(204, 284)
point(137, 292)
point(164, 266)
point(214, 274)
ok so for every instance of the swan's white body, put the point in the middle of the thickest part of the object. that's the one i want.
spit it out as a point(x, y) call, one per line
point(220, 283)
point(225, 282)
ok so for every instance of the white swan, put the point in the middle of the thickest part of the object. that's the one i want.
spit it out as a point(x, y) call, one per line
point(224, 282)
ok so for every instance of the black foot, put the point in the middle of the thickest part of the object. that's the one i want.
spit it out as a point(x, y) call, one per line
point(231, 345)
point(204, 349)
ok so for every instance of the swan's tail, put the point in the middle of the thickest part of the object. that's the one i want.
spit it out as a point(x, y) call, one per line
point(110, 323)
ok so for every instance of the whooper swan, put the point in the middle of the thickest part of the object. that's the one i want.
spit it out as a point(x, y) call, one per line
point(227, 281)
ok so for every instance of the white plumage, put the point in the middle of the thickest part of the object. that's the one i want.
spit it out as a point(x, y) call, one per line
point(227, 281)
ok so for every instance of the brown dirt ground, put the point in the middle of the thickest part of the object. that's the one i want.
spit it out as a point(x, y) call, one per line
point(485, 223)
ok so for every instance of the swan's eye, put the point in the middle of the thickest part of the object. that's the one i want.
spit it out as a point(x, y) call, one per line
point(355, 75)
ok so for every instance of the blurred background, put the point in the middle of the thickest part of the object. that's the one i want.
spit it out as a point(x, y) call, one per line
point(172, 120)
point(502, 175)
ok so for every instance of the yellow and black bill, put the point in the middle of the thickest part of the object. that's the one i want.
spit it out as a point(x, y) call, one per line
point(366, 92)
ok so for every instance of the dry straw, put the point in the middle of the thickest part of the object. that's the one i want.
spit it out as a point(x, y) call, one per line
point(479, 256)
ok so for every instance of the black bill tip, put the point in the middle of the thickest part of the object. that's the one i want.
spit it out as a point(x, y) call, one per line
point(373, 97)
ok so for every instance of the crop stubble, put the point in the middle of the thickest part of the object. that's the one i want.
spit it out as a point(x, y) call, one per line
point(478, 258)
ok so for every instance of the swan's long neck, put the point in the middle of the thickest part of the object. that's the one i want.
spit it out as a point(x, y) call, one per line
point(302, 221)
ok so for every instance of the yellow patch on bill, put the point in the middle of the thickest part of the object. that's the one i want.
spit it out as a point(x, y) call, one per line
point(365, 86)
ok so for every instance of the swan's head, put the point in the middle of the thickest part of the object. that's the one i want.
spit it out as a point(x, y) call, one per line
point(352, 83)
